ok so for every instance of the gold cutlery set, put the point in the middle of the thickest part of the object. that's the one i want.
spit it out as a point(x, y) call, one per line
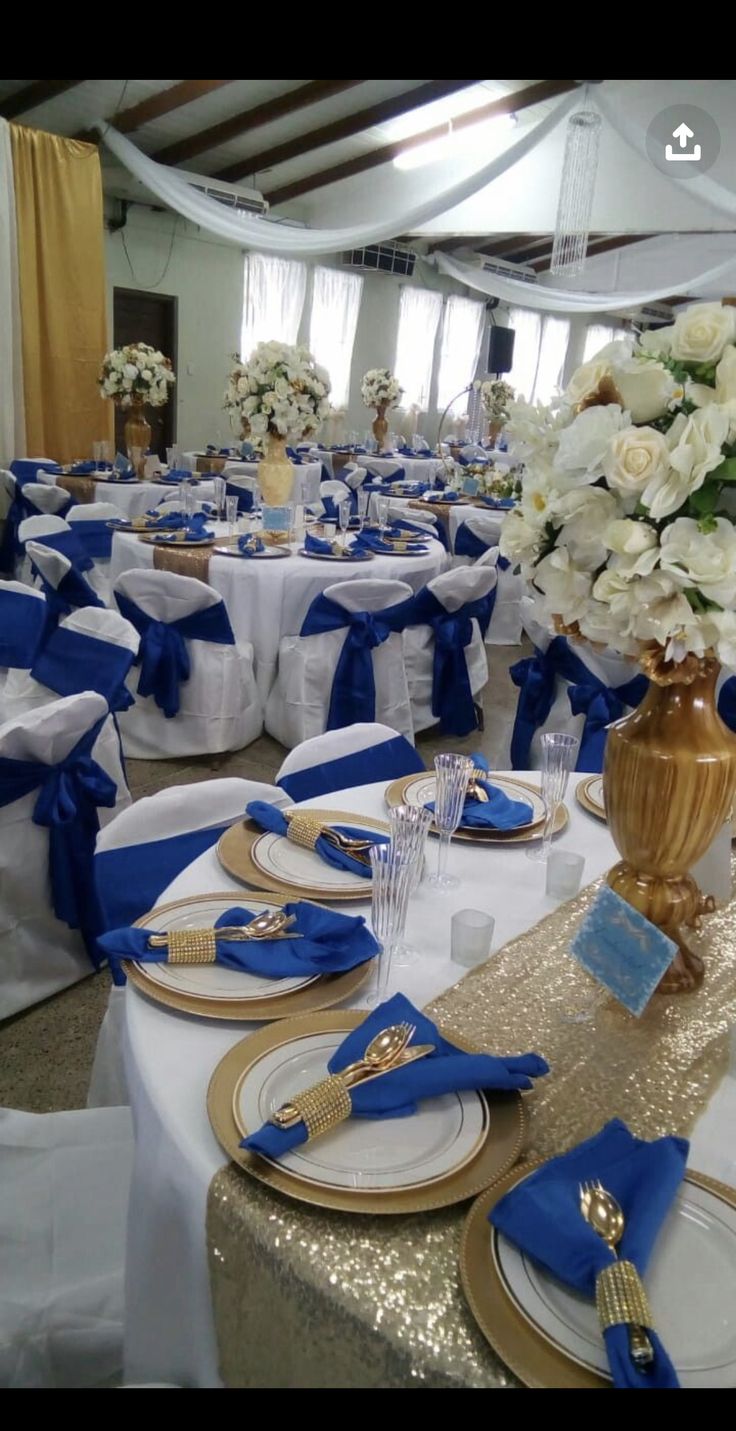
point(619, 1293)
point(199, 946)
point(328, 1103)
point(305, 830)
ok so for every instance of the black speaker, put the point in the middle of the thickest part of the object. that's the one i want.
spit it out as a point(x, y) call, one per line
point(501, 350)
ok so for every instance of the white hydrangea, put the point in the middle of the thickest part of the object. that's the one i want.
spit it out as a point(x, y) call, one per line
point(136, 373)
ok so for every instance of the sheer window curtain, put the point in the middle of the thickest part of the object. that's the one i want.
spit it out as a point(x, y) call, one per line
point(596, 337)
point(334, 318)
point(273, 299)
point(419, 316)
point(540, 349)
point(462, 330)
point(552, 354)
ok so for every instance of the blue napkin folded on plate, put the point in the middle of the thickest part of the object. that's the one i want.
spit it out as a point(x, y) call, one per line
point(444, 496)
point(498, 813)
point(191, 534)
point(78, 469)
point(316, 544)
point(270, 818)
point(181, 474)
point(396, 1095)
point(250, 546)
point(501, 504)
point(175, 521)
point(542, 1216)
point(372, 542)
point(323, 942)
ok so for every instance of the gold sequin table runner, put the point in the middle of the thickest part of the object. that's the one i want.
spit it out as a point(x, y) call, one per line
point(84, 489)
point(187, 562)
point(307, 1298)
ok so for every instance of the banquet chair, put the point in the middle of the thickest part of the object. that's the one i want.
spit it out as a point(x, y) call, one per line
point(196, 691)
point(331, 495)
point(61, 779)
point(22, 628)
point(64, 587)
point(505, 625)
point(64, 1189)
point(356, 755)
point(473, 452)
point(444, 650)
point(90, 523)
point(344, 666)
point(570, 687)
point(477, 534)
point(46, 529)
point(90, 650)
point(353, 476)
point(29, 469)
point(26, 500)
point(376, 473)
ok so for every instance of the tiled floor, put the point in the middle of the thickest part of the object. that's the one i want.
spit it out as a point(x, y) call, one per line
point(46, 1052)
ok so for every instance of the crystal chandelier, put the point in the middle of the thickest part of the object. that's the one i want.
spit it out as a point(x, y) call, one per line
point(577, 187)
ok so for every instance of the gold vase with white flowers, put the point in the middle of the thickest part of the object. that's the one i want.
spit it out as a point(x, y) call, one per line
point(280, 391)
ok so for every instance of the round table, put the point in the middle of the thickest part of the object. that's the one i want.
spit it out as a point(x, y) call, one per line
point(266, 600)
point(133, 498)
point(170, 1057)
point(417, 469)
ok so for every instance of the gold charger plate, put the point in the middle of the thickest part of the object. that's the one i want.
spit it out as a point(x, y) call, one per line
point(537, 1362)
point(500, 1150)
point(396, 795)
point(234, 853)
point(153, 539)
point(321, 993)
point(583, 798)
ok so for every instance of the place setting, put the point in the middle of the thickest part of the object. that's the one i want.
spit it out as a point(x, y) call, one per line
point(321, 853)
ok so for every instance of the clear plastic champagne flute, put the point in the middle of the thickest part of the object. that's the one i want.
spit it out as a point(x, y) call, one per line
point(452, 775)
point(390, 887)
point(409, 825)
point(559, 753)
point(343, 517)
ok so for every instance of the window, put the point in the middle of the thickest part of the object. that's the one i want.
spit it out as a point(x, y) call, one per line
point(273, 298)
point(335, 304)
point(596, 337)
point(462, 330)
point(419, 315)
point(540, 349)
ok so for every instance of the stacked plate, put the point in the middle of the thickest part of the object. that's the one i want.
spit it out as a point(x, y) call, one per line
point(271, 861)
point(420, 790)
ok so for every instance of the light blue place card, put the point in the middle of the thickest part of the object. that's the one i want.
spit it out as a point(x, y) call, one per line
point(121, 463)
point(276, 519)
point(622, 950)
point(470, 486)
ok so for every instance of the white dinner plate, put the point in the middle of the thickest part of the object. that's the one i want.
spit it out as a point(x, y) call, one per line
point(295, 865)
point(268, 553)
point(690, 1282)
point(594, 792)
point(422, 790)
point(211, 981)
point(348, 556)
point(362, 1153)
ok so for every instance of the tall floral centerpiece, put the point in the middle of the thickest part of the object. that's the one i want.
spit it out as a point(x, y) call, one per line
point(279, 392)
point(496, 397)
point(626, 530)
point(381, 390)
point(135, 377)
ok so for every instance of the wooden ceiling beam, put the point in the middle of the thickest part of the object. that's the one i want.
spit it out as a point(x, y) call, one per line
point(277, 108)
point(340, 129)
point(596, 246)
point(450, 245)
point(163, 102)
point(34, 94)
point(361, 163)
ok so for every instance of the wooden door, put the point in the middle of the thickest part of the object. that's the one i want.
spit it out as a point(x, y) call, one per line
point(147, 318)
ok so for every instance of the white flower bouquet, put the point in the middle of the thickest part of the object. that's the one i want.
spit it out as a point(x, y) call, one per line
point(279, 390)
point(490, 481)
point(379, 388)
point(496, 397)
point(627, 520)
point(136, 373)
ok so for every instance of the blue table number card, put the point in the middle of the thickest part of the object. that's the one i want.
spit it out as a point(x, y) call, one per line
point(622, 950)
point(276, 519)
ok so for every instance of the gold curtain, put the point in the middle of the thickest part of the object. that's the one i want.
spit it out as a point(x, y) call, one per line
point(61, 260)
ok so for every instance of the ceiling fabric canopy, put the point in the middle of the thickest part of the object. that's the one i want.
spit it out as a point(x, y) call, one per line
point(571, 300)
point(173, 189)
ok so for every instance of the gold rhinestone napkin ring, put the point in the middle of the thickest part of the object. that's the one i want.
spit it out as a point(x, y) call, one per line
point(320, 1108)
point(620, 1297)
point(191, 946)
point(304, 830)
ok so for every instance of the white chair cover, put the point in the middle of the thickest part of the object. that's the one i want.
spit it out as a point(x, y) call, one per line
point(355, 755)
point(474, 452)
point(99, 576)
point(338, 491)
point(64, 1187)
point(40, 954)
point(46, 498)
point(299, 702)
point(219, 706)
point(453, 589)
point(354, 476)
point(34, 529)
point(93, 624)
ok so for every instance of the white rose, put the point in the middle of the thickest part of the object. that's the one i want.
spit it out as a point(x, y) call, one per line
point(702, 331)
point(519, 538)
point(646, 389)
point(696, 446)
point(587, 379)
point(130, 371)
point(726, 377)
point(582, 445)
point(705, 561)
point(566, 586)
point(659, 610)
point(635, 457)
point(720, 632)
point(584, 515)
point(635, 544)
point(147, 375)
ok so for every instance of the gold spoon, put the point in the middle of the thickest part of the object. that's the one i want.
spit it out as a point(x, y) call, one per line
point(380, 1054)
point(604, 1214)
point(271, 925)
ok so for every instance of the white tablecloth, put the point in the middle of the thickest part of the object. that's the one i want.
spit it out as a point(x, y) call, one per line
point(269, 599)
point(307, 477)
point(133, 498)
point(170, 1058)
point(417, 469)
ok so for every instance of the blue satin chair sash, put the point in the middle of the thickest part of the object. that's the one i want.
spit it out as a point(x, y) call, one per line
point(353, 695)
point(468, 543)
point(452, 698)
point(128, 881)
point(22, 627)
point(71, 547)
point(10, 547)
point(536, 678)
point(69, 796)
point(95, 540)
point(71, 593)
point(71, 662)
point(727, 703)
point(243, 494)
point(385, 761)
point(163, 656)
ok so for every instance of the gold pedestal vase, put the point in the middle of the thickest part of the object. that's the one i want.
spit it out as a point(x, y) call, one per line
point(380, 426)
point(494, 431)
point(275, 472)
point(137, 433)
point(669, 779)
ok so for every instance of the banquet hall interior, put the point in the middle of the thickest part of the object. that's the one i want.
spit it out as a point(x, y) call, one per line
point(457, 828)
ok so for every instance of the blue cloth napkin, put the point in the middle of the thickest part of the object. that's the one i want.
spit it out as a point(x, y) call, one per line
point(372, 542)
point(180, 474)
point(396, 1095)
point(316, 544)
point(191, 534)
point(498, 813)
point(175, 521)
point(249, 546)
point(542, 1216)
point(327, 943)
point(79, 469)
point(270, 818)
point(444, 496)
point(501, 504)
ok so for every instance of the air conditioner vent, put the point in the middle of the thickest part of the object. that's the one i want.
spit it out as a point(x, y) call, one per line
point(243, 201)
point(382, 258)
point(507, 270)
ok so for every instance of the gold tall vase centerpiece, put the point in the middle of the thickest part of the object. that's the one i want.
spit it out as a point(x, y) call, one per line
point(669, 779)
point(380, 425)
point(137, 433)
point(275, 472)
point(495, 429)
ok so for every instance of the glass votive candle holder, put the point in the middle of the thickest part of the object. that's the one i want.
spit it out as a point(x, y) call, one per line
point(564, 873)
point(471, 933)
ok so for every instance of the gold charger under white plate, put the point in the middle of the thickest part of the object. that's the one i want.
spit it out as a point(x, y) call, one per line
point(212, 992)
point(420, 790)
point(497, 1150)
point(162, 538)
point(589, 794)
point(271, 861)
point(549, 1335)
